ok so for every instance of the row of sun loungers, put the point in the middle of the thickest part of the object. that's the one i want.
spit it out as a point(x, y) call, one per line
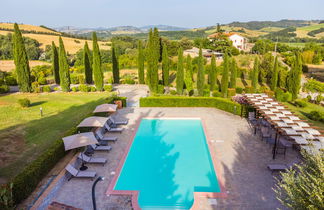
point(110, 126)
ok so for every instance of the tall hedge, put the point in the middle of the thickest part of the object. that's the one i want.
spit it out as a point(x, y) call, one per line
point(165, 65)
point(201, 74)
point(233, 73)
point(96, 64)
point(212, 73)
point(183, 101)
point(140, 63)
point(87, 61)
point(274, 77)
point(21, 61)
point(64, 68)
point(255, 74)
point(189, 74)
point(115, 66)
point(224, 82)
point(180, 72)
point(55, 64)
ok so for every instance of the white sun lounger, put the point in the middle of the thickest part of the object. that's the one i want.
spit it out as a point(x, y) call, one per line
point(88, 159)
point(80, 174)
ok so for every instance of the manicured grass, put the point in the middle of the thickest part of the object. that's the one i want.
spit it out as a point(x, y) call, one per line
point(24, 134)
point(299, 111)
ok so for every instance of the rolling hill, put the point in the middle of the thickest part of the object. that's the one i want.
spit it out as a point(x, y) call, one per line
point(72, 45)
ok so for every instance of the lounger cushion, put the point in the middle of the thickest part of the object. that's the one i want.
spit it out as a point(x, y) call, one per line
point(277, 167)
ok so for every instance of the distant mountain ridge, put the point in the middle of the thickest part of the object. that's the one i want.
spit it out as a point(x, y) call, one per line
point(285, 23)
point(118, 29)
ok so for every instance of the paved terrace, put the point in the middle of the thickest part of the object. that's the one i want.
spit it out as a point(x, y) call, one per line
point(242, 158)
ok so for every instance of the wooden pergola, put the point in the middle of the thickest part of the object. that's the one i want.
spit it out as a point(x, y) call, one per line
point(286, 123)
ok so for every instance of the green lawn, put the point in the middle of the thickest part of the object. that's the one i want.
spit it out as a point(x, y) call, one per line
point(24, 134)
point(310, 107)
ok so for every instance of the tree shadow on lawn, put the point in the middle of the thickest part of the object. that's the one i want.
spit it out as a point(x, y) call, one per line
point(37, 103)
point(22, 143)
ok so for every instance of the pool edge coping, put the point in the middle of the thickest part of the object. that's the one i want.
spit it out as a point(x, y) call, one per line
point(197, 195)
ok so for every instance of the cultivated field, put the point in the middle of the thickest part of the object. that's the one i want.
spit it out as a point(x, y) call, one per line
point(9, 65)
point(22, 130)
point(72, 45)
point(27, 28)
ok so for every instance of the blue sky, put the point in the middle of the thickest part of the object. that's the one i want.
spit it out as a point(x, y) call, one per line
point(186, 13)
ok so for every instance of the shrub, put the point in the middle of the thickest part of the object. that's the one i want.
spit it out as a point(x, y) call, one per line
point(283, 96)
point(4, 89)
point(24, 102)
point(75, 89)
point(301, 187)
point(316, 116)
point(173, 92)
point(108, 88)
point(93, 89)
point(47, 88)
point(11, 81)
point(206, 93)
point(35, 85)
point(300, 103)
point(319, 98)
point(309, 98)
point(160, 89)
point(239, 90)
point(81, 79)
point(182, 101)
point(128, 80)
point(56, 88)
point(84, 88)
point(231, 92)
point(216, 93)
point(74, 79)
point(42, 81)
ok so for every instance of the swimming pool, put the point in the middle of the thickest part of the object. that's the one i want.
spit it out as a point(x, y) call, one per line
point(168, 161)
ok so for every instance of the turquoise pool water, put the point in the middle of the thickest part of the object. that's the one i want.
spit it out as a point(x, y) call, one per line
point(168, 161)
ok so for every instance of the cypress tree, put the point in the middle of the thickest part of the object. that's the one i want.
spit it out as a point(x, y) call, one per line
point(153, 55)
point(180, 73)
point(87, 63)
point(295, 76)
point(149, 59)
point(201, 74)
point(21, 61)
point(55, 64)
point(233, 74)
point(115, 65)
point(64, 68)
point(212, 73)
point(188, 74)
point(255, 74)
point(96, 64)
point(224, 82)
point(274, 78)
point(140, 63)
point(165, 65)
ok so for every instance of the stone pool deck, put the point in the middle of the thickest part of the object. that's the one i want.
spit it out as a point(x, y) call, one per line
point(242, 158)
